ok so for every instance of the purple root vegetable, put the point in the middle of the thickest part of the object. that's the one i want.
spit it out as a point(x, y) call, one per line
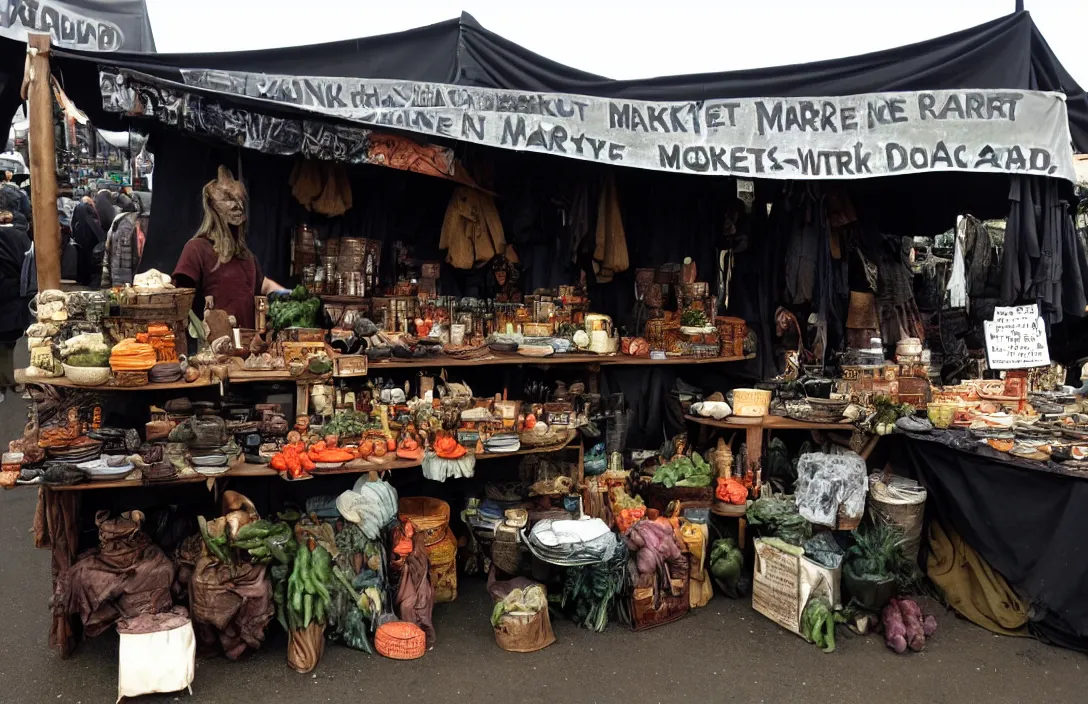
point(929, 625)
point(895, 630)
point(909, 607)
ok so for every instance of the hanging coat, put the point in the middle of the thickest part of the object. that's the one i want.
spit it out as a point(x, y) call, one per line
point(610, 252)
point(472, 233)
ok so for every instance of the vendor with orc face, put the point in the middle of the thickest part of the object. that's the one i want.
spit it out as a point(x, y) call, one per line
point(217, 262)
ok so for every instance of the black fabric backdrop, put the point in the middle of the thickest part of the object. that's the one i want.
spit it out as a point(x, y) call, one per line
point(1028, 524)
point(1008, 52)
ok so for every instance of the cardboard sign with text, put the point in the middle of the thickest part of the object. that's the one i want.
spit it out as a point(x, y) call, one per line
point(782, 585)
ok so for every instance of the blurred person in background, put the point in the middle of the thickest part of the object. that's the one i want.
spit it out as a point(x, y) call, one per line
point(90, 239)
point(23, 207)
point(107, 211)
point(14, 312)
point(124, 244)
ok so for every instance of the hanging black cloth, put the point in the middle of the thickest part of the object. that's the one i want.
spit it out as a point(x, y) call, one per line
point(1044, 260)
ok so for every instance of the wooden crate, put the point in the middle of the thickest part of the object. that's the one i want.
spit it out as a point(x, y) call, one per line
point(166, 305)
point(731, 334)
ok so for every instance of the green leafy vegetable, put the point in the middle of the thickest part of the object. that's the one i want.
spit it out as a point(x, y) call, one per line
point(299, 310)
point(89, 359)
point(877, 553)
point(776, 516)
point(693, 318)
point(684, 471)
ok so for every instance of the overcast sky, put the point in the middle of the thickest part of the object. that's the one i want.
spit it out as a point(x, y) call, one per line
point(632, 39)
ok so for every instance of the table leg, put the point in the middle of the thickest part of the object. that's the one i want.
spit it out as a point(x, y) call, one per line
point(57, 528)
point(754, 443)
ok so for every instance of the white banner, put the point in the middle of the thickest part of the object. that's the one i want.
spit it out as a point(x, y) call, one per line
point(858, 136)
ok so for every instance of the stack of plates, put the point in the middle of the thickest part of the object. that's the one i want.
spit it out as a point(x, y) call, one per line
point(210, 464)
point(80, 450)
point(106, 468)
point(503, 442)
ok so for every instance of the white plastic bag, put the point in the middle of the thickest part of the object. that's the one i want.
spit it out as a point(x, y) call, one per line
point(825, 481)
point(157, 662)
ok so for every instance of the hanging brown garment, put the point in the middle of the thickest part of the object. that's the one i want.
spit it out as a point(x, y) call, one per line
point(415, 597)
point(472, 233)
point(125, 576)
point(231, 605)
point(610, 252)
point(322, 187)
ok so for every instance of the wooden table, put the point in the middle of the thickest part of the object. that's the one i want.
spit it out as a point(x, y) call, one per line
point(754, 428)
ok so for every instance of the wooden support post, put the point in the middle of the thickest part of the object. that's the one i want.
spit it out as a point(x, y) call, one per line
point(754, 443)
point(38, 90)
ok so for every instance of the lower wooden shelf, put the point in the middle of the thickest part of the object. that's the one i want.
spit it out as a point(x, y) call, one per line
point(769, 423)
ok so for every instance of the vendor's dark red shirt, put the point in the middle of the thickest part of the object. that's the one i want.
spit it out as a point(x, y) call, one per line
point(232, 286)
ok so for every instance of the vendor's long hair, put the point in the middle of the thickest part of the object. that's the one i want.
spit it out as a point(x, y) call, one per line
point(229, 243)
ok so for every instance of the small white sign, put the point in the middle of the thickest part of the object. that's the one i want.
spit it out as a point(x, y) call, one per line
point(1016, 338)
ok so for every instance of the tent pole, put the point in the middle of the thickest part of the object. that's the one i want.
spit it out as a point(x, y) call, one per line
point(43, 162)
point(1019, 5)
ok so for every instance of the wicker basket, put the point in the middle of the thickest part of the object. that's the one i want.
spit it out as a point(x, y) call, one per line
point(400, 640)
point(731, 334)
point(167, 305)
point(443, 569)
point(129, 379)
point(430, 516)
point(657, 496)
point(87, 376)
point(505, 551)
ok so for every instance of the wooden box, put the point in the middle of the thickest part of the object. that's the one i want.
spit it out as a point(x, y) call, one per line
point(302, 335)
point(558, 413)
point(349, 365)
point(301, 351)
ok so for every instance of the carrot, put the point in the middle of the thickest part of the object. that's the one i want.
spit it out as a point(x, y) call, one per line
point(279, 462)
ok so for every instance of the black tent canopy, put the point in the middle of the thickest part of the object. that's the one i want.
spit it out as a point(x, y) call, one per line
point(1005, 53)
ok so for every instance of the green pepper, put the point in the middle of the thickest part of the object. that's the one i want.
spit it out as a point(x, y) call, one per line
point(257, 529)
point(248, 544)
point(319, 611)
point(276, 551)
point(295, 589)
point(322, 563)
point(214, 546)
point(307, 609)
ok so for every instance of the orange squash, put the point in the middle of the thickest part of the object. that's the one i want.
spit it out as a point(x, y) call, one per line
point(366, 449)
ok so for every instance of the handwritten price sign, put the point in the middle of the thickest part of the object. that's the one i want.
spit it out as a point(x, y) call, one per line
point(1016, 338)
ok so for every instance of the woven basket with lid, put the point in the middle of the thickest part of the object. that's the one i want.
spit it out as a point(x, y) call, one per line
point(430, 516)
point(400, 640)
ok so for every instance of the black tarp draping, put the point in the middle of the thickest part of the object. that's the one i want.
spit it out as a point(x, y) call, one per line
point(1005, 53)
point(1029, 524)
